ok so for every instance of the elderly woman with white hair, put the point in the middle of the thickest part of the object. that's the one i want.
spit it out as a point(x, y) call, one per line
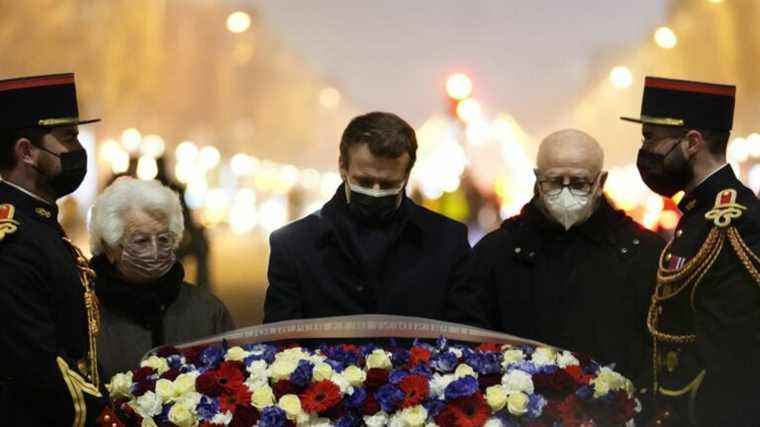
point(135, 228)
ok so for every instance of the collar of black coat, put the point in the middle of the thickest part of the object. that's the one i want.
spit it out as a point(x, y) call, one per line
point(30, 206)
point(408, 213)
point(534, 227)
point(703, 197)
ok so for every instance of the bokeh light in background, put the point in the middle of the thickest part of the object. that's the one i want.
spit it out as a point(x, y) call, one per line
point(147, 168)
point(130, 140)
point(459, 86)
point(329, 97)
point(621, 77)
point(469, 110)
point(665, 38)
point(238, 22)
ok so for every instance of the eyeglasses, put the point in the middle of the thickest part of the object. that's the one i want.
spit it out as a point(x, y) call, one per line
point(577, 186)
point(145, 241)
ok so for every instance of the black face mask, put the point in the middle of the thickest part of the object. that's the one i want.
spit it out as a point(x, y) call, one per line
point(73, 170)
point(664, 174)
point(372, 210)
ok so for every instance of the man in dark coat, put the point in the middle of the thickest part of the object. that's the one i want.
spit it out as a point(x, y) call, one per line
point(570, 270)
point(705, 313)
point(371, 249)
point(48, 310)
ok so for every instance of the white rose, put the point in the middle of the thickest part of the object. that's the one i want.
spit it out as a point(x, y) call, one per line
point(493, 422)
point(601, 388)
point(181, 416)
point(223, 418)
point(281, 369)
point(120, 385)
point(148, 405)
point(414, 416)
point(517, 403)
point(465, 370)
point(317, 422)
point(185, 383)
point(513, 355)
point(431, 424)
point(165, 390)
point(342, 383)
point(321, 372)
point(148, 422)
point(496, 397)
point(190, 399)
point(292, 354)
point(456, 352)
point(354, 376)
point(158, 363)
point(262, 397)
point(607, 380)
point(566, 359)
point(517, 380)
point(544, 356)
point(380, 359)
point(439, 383)
point(291, 404)
point(236, 354)
point(380, 419)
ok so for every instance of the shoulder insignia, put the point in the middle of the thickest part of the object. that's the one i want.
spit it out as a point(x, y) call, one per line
point(43, 212)
point(8, 225)
point(726, 209)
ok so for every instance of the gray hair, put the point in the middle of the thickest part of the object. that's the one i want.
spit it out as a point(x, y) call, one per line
point(107, 214)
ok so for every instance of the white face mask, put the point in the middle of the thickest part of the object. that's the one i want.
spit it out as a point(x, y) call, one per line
point(569, 209)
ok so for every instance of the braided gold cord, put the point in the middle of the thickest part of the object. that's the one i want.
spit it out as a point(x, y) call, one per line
point(745, 254)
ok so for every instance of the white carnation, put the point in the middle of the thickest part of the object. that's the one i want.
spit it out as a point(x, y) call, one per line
point(517, 380)
point(120, 385)
point(439, 383)
point(380, 419)
point(566, 359)
point(544, 356)
point(148, 405)
point(223, 418)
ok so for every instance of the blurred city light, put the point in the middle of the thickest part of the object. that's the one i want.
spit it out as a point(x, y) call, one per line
point(209, 157)
point(621, 77)
point(738, 150)
point(665, 38)
point(459, 86)
point(186, 151)
point(329, 97)
point(238, 22)
point(243, 164)
point(469, 110)
point(146, 167)
point(130, 140)
point(273, 214)
point(153, 146)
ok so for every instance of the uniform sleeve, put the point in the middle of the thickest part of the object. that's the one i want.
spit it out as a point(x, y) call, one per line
point(34, 372)
point(283, 297)
point(463, 303)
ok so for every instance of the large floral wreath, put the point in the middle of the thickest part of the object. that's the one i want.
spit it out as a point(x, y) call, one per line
point(428, 383)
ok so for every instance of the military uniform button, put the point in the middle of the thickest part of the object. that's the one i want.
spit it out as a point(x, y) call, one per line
point(360, 288)
point(106, 418)
point(668, 257)
point(532, 254)
point(636, 241)
point(679, 233)
point(518, 250)
point(624, 250)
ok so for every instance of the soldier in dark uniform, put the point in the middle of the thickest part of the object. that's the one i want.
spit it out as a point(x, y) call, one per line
point(704, 315)
point(49, 313)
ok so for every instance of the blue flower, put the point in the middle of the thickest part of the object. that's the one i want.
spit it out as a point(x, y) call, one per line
point(211, 356)
point(163, 417)
point(350, 420)
point(272, 416)
point(389, 396)
point(524, 365)
point(397, 375)
point(356, 400)
point(585, 392)
point(264, 352)
point(484, 363)
point(441, 343)
point(368, 348)
point(444, 362)
point(207, 408)
point(174, 361)
point(400, 357)
point(462, 387)
point(526, 348)
point(433, 406)
point(339, 354)
point(422, 370)
point(302, 375)
point(536, 404)
point(335, 365)
point(187, 368)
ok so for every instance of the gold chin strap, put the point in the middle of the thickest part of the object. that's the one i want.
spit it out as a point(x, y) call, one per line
point(86, 275)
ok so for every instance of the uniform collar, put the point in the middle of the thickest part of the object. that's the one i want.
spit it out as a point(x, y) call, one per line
point(33, 205)
point(703, 196)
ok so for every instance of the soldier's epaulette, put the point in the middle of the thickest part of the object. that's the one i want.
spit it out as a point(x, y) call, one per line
point(726, 209)
point(8, 225)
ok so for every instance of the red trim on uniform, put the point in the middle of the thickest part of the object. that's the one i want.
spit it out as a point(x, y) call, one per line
point(687, 86)
point(39, 81)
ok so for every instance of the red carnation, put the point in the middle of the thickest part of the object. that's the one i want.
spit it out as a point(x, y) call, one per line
point(245, 416)
point(489, 346)
point(208, 383)
point(583, 358)
point(320, 396)
point(193, 354)
point(171, 374)
point(556, 383)
point(376, 378)
point(415, 388)
point(283, 387)
point(142, 374)
point(576, 372)
point(336, 412)
point(144, 387)
point(418, 355)
point(571, 412)
point(488, 380)
point(470, 411)
point(349, 348)
point(370, 407)
point(232, 397)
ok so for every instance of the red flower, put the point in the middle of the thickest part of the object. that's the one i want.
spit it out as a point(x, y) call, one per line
point(142, 374)
point(144, 387)
point(571, 412)
point(370, 407)
point(230, 374)
point(418, 355)
point(233, 397)
point(576, 372)
point(193, 354)
point(350, 348)
point(415, 388)
point(245, 416)
point(320, 396)
point(376, 378)
point(171, 374)
point(208, 383)
point(488, 380)
point(558, 383)
point(470, 411)
point(283, 387)
point(489, 346)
